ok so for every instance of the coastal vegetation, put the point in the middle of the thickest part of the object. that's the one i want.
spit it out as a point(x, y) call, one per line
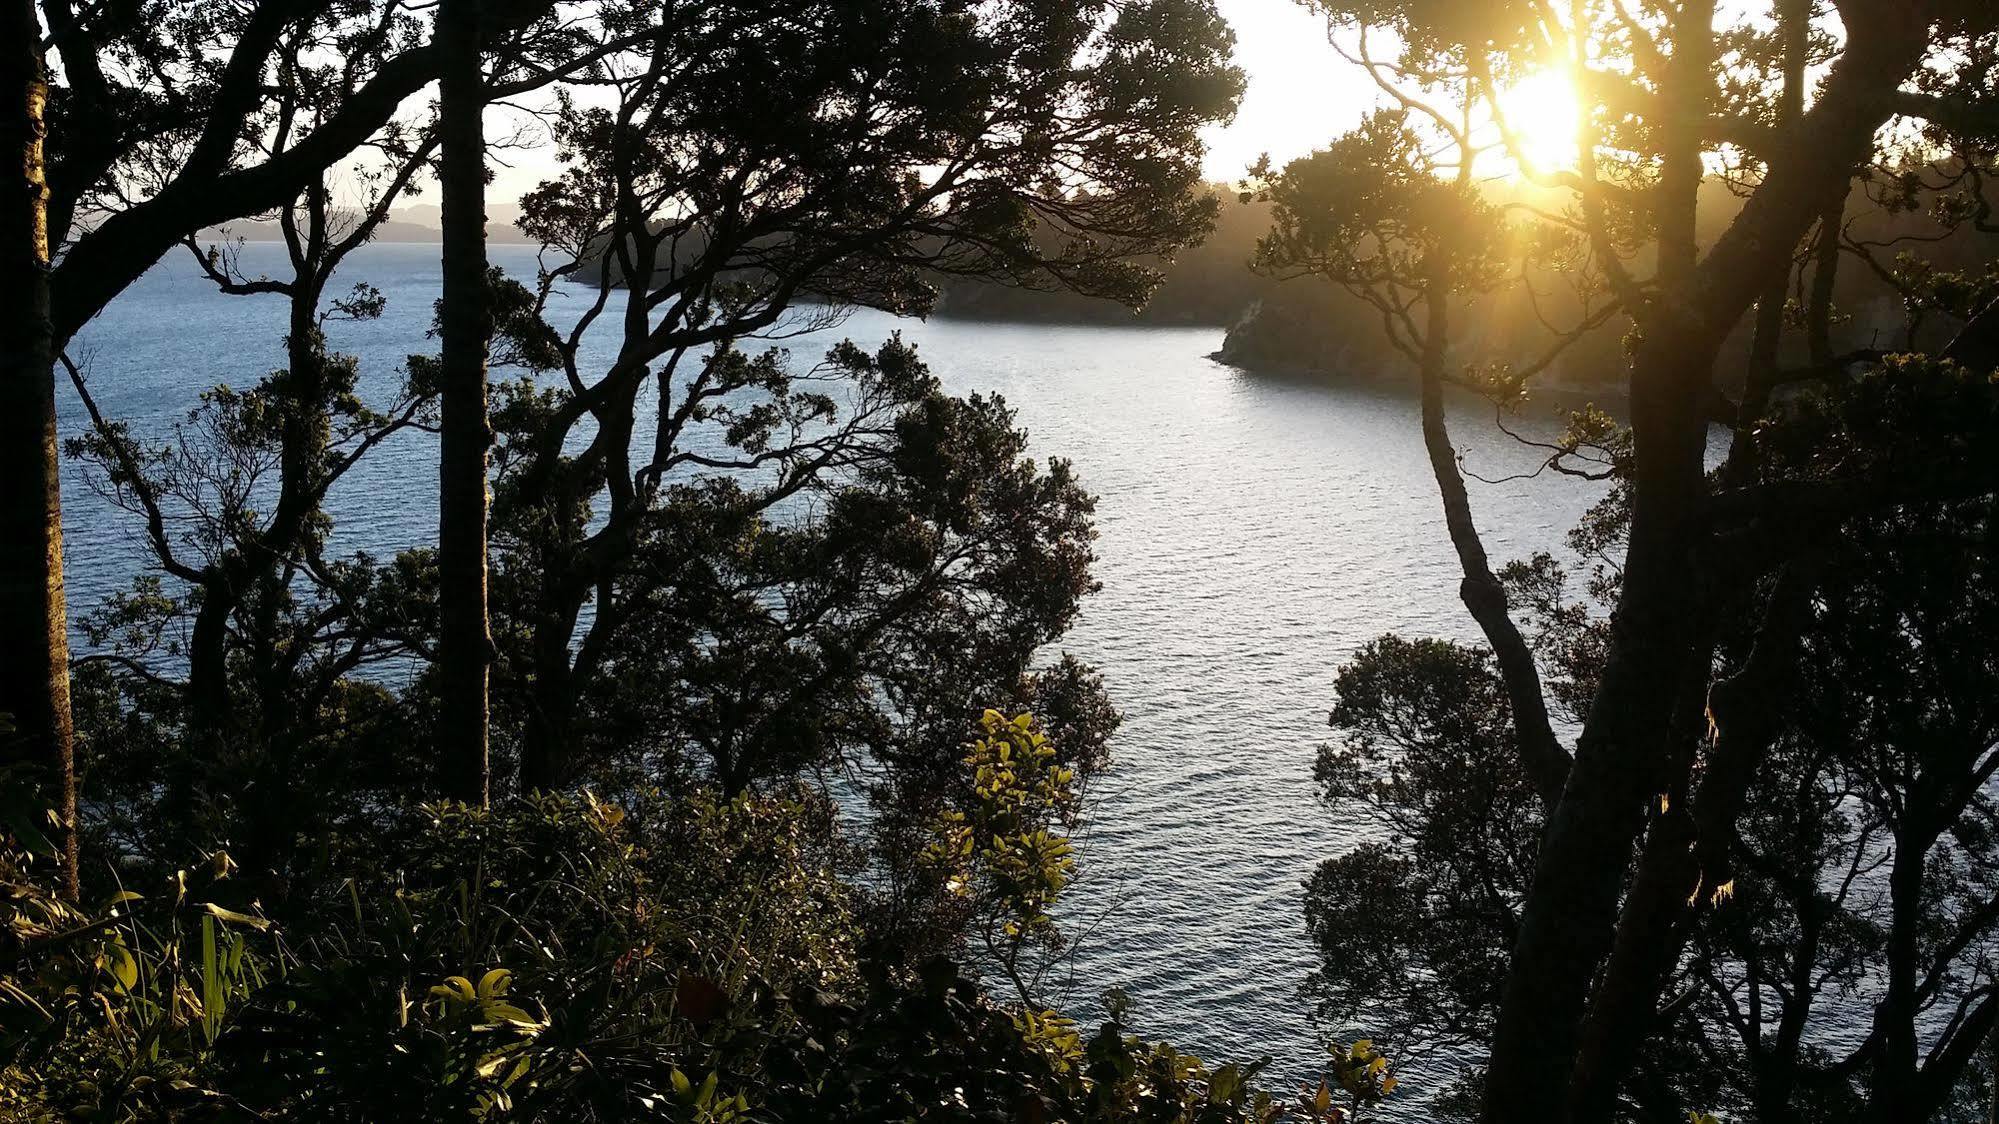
point(719, 761)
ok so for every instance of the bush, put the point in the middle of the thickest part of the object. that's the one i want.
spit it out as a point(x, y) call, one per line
point(678, 957)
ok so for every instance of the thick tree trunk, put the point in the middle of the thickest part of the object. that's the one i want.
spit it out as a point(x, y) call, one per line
point(1568, 922)
point(1992, 1076)
point(1622, 758)
point(1686, 853)
point(1649, 928)
point(34, 626)
point(1626, 750)
point(1894, 1094)
point(573, 570)
point(465, 643)
point(1766, 347)
point(208, 654)
point(551, 712)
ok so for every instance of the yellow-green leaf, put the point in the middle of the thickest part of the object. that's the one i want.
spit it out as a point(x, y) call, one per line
point(123, 967)
point(230, 916)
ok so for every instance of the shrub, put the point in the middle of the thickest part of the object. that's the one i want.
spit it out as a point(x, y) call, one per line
point(676, 957)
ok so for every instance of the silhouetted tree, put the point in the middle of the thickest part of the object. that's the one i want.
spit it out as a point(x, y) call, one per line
point(810, 570)
point(753, 158)
point(1409, 234)
point(1663, 87)
point(233, 506)
point(1861, 854)
point(150, 139)
point(34, 672)
point(464, 637)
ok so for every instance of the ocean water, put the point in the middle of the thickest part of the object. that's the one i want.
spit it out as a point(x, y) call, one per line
point(1253, 533)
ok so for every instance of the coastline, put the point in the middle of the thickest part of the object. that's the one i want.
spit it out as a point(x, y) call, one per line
point(1608, 394)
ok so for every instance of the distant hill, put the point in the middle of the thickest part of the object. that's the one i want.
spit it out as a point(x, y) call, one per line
point(1300, 326)
point(1306, 326)
point(418, 223)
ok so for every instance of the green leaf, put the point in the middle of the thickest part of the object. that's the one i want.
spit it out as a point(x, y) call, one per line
point(21, 814)
point(120, 898)
point(123, 967)
point(232, 917)
point(1223, 1085)
point(211, 982)
point(507, 1012)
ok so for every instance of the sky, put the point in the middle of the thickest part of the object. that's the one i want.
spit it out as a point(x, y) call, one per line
point(1300, 95)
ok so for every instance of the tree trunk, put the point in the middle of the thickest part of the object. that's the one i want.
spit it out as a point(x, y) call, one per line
point(256, 561)
point(551, 709)
point(1627, 746)
point(465, 643)
point(1541, 753)
point(1992, 1076)
point(34, 657)
point(1622, 757)
point(1825, 276)
point(1766, 347)
point(1686, 854)
point(302, 467)
point(208, 654)
point(573, 571)
point(1568, 920)
point(1893, 1095)
point(1622, 1010)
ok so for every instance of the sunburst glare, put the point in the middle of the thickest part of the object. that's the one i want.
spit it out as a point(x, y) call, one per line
point(1540, 113)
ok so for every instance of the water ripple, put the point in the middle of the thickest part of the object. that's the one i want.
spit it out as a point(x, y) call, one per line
point(1253, 534)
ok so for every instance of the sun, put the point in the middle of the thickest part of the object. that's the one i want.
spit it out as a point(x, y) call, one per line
point(1540, 112)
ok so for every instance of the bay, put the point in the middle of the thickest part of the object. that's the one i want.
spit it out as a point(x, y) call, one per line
point(1253, 534)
